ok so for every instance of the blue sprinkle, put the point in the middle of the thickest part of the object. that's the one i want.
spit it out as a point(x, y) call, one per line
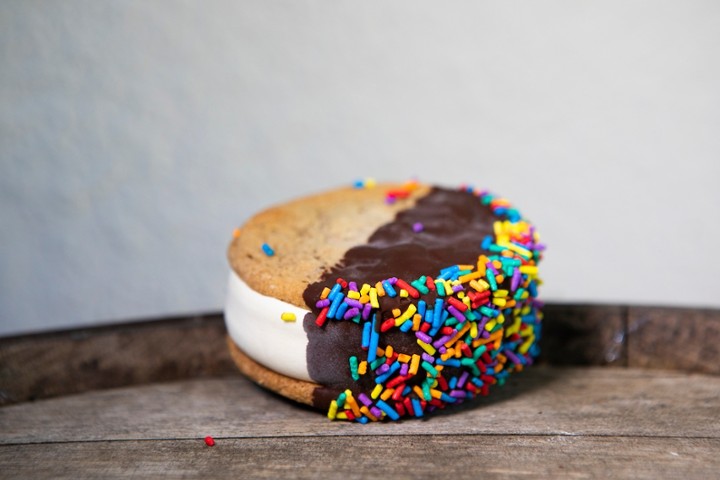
point(388, 289)
point(374, 339)
point(366, 335)
point(389, 411)
point(362, 419)
point(268, 250)
point(417, 407)
point(341, 310)
point(406, 326)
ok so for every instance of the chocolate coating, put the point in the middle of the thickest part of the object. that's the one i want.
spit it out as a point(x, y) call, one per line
point(454, 225)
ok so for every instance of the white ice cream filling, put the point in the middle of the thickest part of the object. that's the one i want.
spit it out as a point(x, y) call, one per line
point(254, 323)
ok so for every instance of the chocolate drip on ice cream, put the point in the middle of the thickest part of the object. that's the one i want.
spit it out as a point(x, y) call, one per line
point(454, 225)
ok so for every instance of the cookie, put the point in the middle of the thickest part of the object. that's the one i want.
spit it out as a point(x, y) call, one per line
point(384, 302)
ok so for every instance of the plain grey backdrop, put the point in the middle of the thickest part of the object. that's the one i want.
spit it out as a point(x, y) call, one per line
point(135, 135)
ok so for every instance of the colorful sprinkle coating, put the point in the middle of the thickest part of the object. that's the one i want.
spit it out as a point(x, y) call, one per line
point(268, 250)
point(474, 325)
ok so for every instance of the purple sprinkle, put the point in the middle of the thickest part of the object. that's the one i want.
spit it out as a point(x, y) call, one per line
point(515, 280)
point(456, 313)
point(322, 303)
point(418, 227)
point(440, 341)
point(481, 325)
point(462, 379)
point(491, 267)
point(366, 311)
point(442, 349)
point(485, 334)
point(389, 200)
point(353, 286)
point(404, 369)
point(458, 393)
point(365, 400)
point(513, 357)
point(428, 358)
point(382, 369)
point(392, 280)
point(353, 303)
point(351, 313)
point(376, 412)
point(424, 337)
point(457, 288)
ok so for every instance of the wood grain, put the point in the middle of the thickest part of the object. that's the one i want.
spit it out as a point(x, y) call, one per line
point(430, 456)
point(540, 401)
point(546, 422)
point(678, 338)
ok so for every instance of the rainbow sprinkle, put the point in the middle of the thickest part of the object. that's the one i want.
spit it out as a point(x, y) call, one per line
point(474, 324)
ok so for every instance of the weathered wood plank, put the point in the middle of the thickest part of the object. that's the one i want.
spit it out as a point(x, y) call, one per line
point(539, 401)
point(61, 363)
point(679, 338)
point(584, 335)
point(444, 456)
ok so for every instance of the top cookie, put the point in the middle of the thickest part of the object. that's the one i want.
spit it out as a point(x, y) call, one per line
point(310, 235)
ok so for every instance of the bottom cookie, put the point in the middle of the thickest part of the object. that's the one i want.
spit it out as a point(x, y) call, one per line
point(298, 390)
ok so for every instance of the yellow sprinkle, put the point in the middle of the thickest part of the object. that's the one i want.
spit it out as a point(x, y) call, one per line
point(516, 248)
point(288, 317)
point(387, 393)
point(526, 345)
point(374, 298)
point(500, 319)
point(365, 289)
point(414, 364)
point(500, 302)
point(529, 269)
point(427, 347)
point(448, 287)
point(376, 391)
point(473, 330)
point(325, 293)
point(435, 393)
point(403, 293)
point(466, 301)
point(396, 312)
point(490, 325)
point(369, 183)
point(465, 267)
point(403, 358)
point(389, 351)
point(362, 367)
point(500, 293)
point(332, 412)
point(341, 416)
point(514, 328)
point(406, 315)
point(354, 295)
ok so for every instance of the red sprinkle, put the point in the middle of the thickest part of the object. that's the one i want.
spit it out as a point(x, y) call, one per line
point(209, 441)
point(457, 304)
point(387, 324)
point(430, 283)
point(342, 283)
point(322, 317)
point(412, 291)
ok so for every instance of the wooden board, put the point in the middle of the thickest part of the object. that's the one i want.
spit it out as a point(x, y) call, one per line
point(568, 422)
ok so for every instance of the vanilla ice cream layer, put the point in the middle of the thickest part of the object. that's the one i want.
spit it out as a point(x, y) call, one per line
point(254, 323)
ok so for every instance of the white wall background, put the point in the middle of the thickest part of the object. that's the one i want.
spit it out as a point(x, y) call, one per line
point(135, 135)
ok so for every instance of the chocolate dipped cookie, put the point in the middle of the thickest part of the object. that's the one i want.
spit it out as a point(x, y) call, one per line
point(374, 302)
